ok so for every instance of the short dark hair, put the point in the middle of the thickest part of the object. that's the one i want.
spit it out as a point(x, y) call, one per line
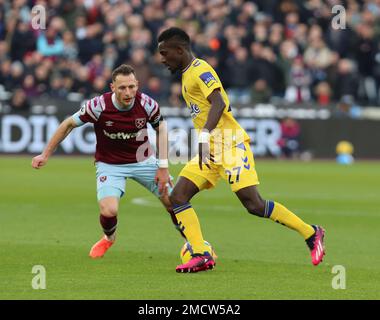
point(175, 33)
point(124, 69)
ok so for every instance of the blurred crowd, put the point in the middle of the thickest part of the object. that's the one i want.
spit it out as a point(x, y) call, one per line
point(264, 49)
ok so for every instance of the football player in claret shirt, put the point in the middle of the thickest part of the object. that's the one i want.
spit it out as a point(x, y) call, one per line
point(224, 152)
point(123, 150)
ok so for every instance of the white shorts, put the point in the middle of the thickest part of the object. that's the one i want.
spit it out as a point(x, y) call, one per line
point(111, 178)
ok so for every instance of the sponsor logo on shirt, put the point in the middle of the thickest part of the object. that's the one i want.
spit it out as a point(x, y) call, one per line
point(82, 110)
point(122, 135)
point(109, 123)
point(208, 79)
point(196, 63)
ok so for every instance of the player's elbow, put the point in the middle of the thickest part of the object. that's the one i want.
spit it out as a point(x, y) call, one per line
point(68, 125)
point(219, 105)
point(222, 107)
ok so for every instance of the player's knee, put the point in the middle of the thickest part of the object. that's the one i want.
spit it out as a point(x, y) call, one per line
point(177, 199)
point(108, 210)
point(256, 208)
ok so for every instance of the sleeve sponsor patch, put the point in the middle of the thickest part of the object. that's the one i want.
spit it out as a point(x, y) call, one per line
point(157, 119)
point(208, 79)
point(82, 110)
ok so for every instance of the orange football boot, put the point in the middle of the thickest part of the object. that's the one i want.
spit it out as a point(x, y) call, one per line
point(100, 248)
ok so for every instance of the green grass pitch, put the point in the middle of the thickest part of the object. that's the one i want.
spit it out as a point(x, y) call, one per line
point(49, 217)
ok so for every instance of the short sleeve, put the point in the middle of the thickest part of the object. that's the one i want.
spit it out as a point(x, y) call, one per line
point(90, 110)
point(152, 109)
point(76, 118)
point(206, 79)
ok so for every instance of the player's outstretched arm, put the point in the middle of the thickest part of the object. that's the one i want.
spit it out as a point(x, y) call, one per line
point(62, 132)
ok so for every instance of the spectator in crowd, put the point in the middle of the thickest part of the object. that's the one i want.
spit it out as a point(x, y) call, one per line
point(95, 67)
point(317, 56)
point(56, 88)
point(70, 48)
point(31, 61)
point(323, 93)
point(49, 43)
point(22, 42)
point(2, 24)
point(265, 65)
point(89, 39)
point(365, 56)
point(121, 44)
point(109, 57)
point(4, 51)
point(376, 72)
point(158, 70)
point(291, 24)
point(244, 40)
point(347, 80)
point(289, 141)
point(29, 86)
point(68, 83)
point(298, 90)
point(260, 92)
point(19, 101)
point(82, 82)
point(42, 79)
point(238, 71)
point(340, 40)
point(5, 75)
point(276, 37)
point(139, 62)
point(343, 107)
point(288, 52)
point(100, 85)
point(153, 89)
point(175, 96)
point(17, 74)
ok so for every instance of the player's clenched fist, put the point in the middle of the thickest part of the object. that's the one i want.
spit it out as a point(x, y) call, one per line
point(39, 161)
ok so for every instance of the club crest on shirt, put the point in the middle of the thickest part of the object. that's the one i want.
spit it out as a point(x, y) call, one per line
point(103, 178)
point(140, 123)
point(194, 110)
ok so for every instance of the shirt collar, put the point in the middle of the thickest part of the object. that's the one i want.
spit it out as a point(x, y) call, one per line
point(118, 106)
point(184, 70)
